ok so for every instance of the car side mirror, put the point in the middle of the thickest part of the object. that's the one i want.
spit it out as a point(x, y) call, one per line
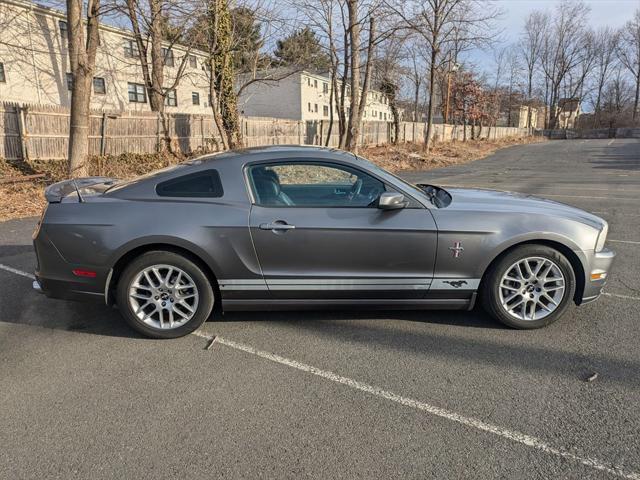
point(391, 201)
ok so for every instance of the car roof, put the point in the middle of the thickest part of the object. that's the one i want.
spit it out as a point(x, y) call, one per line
point(281, 151)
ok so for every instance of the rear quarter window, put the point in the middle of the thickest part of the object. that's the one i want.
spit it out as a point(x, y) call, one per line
point(204, 184)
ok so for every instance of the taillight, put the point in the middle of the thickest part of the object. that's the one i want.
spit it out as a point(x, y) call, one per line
point(79, 272)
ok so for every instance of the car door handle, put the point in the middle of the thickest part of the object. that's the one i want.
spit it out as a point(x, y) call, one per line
point(276, 226)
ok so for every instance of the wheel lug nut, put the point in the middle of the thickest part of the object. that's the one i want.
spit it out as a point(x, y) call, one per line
point(165, 303)
point(171, 300)
point(157, 297)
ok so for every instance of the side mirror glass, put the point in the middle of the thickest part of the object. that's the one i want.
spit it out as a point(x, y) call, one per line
point(391, 201)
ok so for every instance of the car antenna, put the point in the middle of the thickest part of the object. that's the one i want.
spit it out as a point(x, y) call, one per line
point(75, 184)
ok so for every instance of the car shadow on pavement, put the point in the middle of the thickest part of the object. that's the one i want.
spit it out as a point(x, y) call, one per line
point(11, 250)
point(516, 350)
point(476, 318)
point(35, 309)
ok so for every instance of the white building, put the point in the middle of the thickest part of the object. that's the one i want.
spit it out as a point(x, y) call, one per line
point(34, 68)
point(34, 65)
point(303, 96)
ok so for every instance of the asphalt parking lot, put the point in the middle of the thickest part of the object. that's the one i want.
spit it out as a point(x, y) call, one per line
point(352, 394)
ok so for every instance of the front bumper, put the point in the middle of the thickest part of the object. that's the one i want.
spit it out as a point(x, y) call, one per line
point(599, 265)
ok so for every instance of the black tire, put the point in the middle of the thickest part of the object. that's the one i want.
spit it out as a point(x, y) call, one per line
point(200, 279)
point(490, 289)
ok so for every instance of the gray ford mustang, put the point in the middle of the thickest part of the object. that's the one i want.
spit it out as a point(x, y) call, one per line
point(304, 227)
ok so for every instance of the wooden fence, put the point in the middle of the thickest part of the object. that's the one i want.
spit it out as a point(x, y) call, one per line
point(41, 132)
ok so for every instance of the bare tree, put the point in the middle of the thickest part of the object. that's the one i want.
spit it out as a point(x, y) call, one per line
point(531, 43)
point(567, 54)
point(82, 57)
point(606, 44)
point(629, 54)
point(154, 50)
point(387, 75)
point(441, 23)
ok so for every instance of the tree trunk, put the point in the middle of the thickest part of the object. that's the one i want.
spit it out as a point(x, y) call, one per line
point(637, 97)
point(416, 99)
point(331, 95)
point(156, 93)
point(82, 56)
point(353, 130)
point(432, 82)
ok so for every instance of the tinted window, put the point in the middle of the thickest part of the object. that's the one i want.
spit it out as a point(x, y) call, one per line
point(199, 184)
point(305, 184)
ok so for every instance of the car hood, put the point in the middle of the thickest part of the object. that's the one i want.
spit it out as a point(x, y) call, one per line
point(498, 201)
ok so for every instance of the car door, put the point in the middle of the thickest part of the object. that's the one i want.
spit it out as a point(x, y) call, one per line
point(319, 234)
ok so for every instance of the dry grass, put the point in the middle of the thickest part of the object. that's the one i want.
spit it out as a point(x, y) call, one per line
point(26, 198)
point(411, 156)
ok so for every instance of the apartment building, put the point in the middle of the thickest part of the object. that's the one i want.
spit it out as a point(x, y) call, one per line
point(302, 95)
point(34, 65)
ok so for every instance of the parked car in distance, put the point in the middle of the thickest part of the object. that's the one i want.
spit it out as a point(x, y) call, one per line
point(292, 227)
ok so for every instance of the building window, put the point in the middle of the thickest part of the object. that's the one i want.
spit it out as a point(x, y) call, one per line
point(62, 25)
point(385, 116)
point(325, 111)
point(309, 81)
point(309, 106)
point(131, 49)
point(3, 78)
point(315, 83)
point(315, 107)
point(193, 62)
point(195, 98)
point(167, 54)
point(99, 86)
point(171, 99)
point(325, 87)
point(137, 93)
point(69, 81)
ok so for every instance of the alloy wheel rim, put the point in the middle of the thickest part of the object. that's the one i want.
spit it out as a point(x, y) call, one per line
point(163, 297)
point(532, 288)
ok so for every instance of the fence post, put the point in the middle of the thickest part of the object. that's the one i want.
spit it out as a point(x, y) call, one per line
point(103, 132)
point(22, 131)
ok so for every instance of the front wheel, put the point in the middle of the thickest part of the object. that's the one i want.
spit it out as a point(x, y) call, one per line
point(530, 287)
point(164, 295)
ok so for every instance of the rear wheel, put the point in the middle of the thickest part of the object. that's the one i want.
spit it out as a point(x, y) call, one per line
point(530, 287)
point(164, 295)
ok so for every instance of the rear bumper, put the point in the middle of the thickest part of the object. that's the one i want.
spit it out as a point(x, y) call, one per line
point(66, 290)
point(599, 265)
point(55, 277)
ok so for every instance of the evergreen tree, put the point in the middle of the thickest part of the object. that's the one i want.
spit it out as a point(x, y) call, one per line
point(302, 49)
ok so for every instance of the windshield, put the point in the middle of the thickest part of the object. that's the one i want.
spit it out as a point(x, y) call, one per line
point(382, 172)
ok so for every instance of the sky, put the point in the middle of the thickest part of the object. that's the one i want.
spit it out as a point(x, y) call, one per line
point(614, 13)
point(603, 12)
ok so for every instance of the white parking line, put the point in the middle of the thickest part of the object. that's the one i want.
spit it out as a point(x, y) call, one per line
point(617, 295)
point(513, 188)
point(512, 435)
point(584, 196)
point(16, 271)
point(624, 241)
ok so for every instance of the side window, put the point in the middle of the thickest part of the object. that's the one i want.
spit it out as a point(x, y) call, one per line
point(200, 184)
point(310, 184)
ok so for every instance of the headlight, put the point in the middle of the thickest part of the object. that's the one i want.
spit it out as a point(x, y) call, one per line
point(602, 237)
